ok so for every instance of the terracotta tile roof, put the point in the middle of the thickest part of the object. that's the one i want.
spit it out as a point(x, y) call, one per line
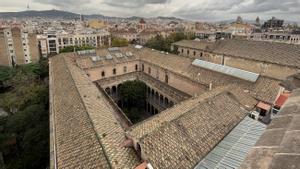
point(76, 143)
point(193, 44)
point(92, 122)
point(184, 141)
point(278, 53)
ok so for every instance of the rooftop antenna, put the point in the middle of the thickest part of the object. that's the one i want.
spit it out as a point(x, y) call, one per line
point(28, 6)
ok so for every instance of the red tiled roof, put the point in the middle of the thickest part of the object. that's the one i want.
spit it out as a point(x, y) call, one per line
point(264, 106)
point(281, 99)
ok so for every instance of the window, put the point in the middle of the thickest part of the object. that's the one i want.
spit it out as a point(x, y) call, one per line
point(10, 45)
point(143, 67)
point(125, 69)
point(136, 67)
point(167, 79)
point(201, 54)
point(103, 74)
point(149, 70)
point(194, 53)
point(181, 50)
point(114, 71)
point(188, 52)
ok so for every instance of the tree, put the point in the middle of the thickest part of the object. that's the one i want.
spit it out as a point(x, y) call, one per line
point(24, 138)
point(119, 42)
point(164, 44)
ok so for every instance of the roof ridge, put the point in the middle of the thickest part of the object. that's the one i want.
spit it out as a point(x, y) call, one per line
point(90, 120)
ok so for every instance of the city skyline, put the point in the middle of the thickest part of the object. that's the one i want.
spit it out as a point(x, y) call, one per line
point(201, 10)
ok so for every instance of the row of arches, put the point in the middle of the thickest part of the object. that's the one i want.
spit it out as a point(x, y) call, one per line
point(155, 101)
point(159, 99)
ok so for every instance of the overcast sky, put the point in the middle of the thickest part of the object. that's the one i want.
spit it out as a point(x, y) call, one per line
point(205, 10)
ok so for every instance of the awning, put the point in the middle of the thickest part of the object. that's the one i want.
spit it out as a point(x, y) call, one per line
point(263, 106)
point(281, 100)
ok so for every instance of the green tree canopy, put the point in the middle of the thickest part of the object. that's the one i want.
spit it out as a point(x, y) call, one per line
point(119, 42)
point(164, 44)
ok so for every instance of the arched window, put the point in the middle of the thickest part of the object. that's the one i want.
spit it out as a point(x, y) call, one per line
point(188, 52)
point(103, 74)
point(125, 69)
point(167, 79)
point(182, 50)
point(114, 71)
point(143, 68)
point(194, 53)
point(136, 67)
point(149, 70)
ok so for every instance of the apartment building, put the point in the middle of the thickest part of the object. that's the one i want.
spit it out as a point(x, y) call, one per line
point(53, 42)
point(18, 47)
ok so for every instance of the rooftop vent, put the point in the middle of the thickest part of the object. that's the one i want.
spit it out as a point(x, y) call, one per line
point(109, 57)
point(238, 73)
point(113, 49)
point(129, 54)
point(138, 46)
point(86, 52)
point(96, 58)
point(119, 55)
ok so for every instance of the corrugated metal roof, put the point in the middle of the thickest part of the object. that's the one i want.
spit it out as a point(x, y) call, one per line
point(231, 71)
point(233, 149)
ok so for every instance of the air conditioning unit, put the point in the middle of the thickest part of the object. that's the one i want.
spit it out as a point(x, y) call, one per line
point(254, 115)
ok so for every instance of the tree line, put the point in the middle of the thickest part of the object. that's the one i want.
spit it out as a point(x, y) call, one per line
point(24, 131)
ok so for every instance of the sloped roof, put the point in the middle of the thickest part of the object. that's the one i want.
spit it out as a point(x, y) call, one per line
point(233, 149)
point(184, 141)
point(203, 45)
point(278, 53)
point(86, 132)
point(278, 147)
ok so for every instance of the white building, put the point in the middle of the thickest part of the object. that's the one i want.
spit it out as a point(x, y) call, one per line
point(52, 42)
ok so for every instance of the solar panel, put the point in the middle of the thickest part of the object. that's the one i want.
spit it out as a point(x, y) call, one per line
point(239, 73)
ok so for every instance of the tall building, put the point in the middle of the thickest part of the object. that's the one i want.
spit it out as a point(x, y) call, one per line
point(18, 47)
point(273, 23)
point(53, 42)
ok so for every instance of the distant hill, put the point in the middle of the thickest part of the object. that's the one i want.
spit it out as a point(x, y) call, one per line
point(43, 14)
point(53, 14)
